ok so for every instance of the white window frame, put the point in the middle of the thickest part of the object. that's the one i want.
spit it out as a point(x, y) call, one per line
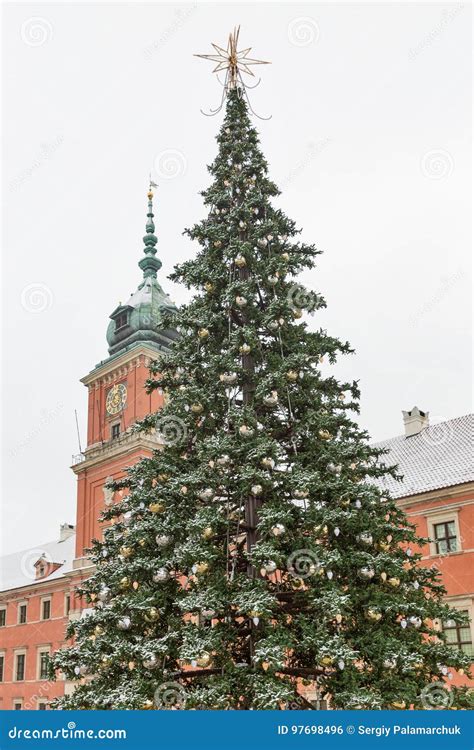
point(16, 653)
point(15, 701)
point(66, 595)
point(3, 656)
point(463, 604)
point(443, 516)
point(43, 600)
point(3, 608)
point(41, 650)
point(23, 603)
point(40, 703)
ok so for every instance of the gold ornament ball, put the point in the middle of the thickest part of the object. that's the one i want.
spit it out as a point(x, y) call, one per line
point(208, 532)
point(399, 704)
point(208, 286)
point(152, 614)
point(197, 408)
point(204, 660)
point(373, 615)
point(126, 551)
point(394, 581)
point(292, 376)
point(324, 434)
point(326, 661)
point(203, 333)
point(124, 582)
point(156, 507)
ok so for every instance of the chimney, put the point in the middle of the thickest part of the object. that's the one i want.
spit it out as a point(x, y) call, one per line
point(65, 531)
point(415, 421)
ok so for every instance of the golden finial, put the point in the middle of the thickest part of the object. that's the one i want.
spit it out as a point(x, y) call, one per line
point(150, 191)
point(233, 61)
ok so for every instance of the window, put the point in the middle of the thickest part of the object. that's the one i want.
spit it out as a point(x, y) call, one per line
point(20, 667)
point(2, 667)
point(67, 604)
point(43, 673)
point(121, 321)
point(3, 617)
point(21, 614)
point(458, 636)
point(115, 431)
point(445, 537)
point(46, 609)
point(17, 705)
point(42, 706)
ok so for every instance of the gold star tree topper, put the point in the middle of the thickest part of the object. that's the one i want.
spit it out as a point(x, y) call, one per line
point(233, 60)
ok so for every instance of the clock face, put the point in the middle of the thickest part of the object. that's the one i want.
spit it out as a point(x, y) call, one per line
point(116, 399)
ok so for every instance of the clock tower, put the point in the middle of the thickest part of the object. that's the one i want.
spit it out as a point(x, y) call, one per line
point(117, 395)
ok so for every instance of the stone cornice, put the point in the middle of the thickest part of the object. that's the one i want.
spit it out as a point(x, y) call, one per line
point(117, 367)
point(443, 493)
point(127, 443)
point(34, 587)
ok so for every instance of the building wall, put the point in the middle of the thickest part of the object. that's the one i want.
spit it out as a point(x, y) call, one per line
point(29, 639)
point(451, 505)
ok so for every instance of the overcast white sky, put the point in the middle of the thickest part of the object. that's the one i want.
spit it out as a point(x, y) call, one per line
point(369, 141)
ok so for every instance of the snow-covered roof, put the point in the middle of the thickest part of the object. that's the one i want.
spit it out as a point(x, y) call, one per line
point(18, 569)
point(441, 455)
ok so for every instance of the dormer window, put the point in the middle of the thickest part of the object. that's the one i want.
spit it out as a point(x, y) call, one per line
point(121, 321)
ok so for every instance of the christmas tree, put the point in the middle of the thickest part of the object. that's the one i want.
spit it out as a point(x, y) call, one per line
point(255, 559)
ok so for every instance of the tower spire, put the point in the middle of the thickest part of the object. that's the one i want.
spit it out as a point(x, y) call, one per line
point(150, 264)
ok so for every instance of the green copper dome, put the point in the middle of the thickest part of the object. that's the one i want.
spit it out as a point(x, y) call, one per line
point(140, 318)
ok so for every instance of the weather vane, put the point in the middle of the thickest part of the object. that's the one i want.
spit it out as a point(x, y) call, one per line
point(234, 62)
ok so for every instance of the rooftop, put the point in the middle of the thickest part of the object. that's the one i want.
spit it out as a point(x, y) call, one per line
point(18, 569)
point(440, 455)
